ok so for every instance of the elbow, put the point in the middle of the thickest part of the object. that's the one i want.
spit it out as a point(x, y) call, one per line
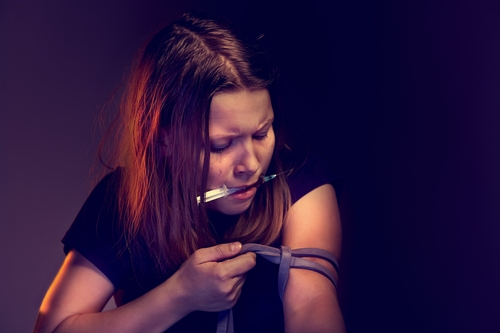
point(46, 324)
point(42, 324)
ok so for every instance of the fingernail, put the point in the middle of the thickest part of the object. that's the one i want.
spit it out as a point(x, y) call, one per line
point(235, 247)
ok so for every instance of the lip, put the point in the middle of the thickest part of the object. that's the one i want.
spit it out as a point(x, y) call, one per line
point(247, 185)
point(245, 195)
point(242, 186)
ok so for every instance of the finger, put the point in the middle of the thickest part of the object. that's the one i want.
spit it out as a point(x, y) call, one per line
point(218, 253)
point(238, 265)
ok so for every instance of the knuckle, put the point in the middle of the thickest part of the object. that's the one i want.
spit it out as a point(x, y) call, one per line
point(220, 251)
point(250, 260)
point(221, 275)
point(196, 256)
point(234, 297)
point(227, 290)
point(253, 257)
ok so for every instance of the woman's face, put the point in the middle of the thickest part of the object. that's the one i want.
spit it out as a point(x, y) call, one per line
point(241, 143)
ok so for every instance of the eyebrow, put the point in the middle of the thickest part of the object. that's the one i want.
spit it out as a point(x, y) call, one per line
point(235, 134)
point(267, 123)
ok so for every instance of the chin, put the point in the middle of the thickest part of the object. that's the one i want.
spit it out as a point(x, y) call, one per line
point(227, 207)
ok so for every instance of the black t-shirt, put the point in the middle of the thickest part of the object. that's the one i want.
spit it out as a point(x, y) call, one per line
point(96, 233)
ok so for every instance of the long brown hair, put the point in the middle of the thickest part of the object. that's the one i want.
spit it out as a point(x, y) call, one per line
point(171, 88)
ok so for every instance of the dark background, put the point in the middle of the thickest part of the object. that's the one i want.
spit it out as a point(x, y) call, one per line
point(402, 97)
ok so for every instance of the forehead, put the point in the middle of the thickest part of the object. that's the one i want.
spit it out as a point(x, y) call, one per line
point(239, 109)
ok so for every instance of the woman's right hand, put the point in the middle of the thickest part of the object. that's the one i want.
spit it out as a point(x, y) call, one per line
point(211, 278)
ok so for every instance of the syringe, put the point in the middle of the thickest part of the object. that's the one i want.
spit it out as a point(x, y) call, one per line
point(224, 191)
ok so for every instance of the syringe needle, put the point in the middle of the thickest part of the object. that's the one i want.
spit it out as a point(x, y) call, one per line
point(224, 191)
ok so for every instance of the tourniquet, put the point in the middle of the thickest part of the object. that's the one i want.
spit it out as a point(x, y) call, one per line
point(286, 258)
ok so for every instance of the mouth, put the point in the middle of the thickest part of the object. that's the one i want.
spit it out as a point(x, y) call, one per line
point(244, 194)
point(246, 188)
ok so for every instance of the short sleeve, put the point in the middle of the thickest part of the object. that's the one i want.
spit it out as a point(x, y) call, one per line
point(94, 233)
point(312, 173)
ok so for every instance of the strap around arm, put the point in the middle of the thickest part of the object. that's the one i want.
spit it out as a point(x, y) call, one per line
point(286, 258)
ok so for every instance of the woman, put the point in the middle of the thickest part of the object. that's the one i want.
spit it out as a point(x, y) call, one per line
point(198, 114)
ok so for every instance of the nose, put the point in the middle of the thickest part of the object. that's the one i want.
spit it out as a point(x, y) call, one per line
point(248, 163)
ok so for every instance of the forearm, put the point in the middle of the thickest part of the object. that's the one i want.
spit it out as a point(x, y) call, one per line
point(155, 311)
point(210, 280)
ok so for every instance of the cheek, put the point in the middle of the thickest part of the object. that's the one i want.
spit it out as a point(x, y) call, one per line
point(216, 171)
point(272, 143)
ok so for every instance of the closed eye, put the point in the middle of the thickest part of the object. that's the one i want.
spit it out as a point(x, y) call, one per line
point(261, 135)
point(220, 149)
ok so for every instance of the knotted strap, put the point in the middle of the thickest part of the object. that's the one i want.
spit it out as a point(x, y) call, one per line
point(286, 258)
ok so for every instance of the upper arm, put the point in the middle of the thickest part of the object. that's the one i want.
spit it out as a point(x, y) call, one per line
point(313, 221)
point(79, 287)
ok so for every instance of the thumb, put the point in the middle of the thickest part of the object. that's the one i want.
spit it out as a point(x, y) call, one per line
point(219, 252)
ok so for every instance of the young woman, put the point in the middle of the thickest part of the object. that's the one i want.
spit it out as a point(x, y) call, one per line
point(198, 114)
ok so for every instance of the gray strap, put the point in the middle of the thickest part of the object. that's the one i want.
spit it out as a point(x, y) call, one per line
point(225, 322)
point(286, 258)
point(284, 269)
point(295, 260)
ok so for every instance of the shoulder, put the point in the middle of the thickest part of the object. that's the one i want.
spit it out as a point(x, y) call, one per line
point(95, 233)
point(103, 196)
point(308, 172)
point(313, 220)
point(101, 204)
point(109, 185)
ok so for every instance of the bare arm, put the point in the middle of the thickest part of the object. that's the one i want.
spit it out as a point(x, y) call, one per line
point(209, 280)
point(310, 301)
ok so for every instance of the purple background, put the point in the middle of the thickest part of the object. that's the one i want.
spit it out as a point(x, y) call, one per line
point(402, 97)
